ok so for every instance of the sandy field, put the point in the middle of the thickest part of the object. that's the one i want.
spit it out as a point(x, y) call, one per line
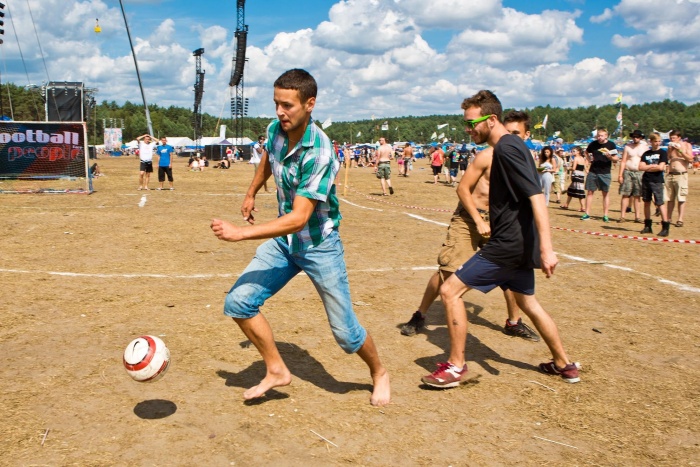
point(83, 275)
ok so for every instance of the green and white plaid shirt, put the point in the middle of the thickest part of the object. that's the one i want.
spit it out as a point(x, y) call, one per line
point(307, 170)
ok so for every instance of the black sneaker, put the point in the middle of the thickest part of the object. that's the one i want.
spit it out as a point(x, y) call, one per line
point(414, 325)
point(521, 330)
point(391, 190)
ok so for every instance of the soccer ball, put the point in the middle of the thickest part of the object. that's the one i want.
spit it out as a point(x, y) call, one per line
point(146, 358)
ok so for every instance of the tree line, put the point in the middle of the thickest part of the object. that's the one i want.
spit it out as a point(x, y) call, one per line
point(27, 104)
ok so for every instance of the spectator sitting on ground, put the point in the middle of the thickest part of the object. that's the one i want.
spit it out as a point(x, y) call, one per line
point(224, 164)
point(194, 165)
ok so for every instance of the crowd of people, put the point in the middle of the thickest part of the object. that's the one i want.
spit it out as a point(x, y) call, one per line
point(576, 173)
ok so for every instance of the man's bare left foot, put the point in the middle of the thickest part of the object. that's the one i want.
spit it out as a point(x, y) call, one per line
point(381, 394)
point(268, 382)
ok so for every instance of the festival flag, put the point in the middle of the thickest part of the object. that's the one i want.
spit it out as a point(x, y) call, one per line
point(619, 116)
point(385, 126)
point(441, 135)
point(440, 127)
point(326, 123)
point(619, 99)
point(538, 126)
point(359, 133)
point(434, 135)
point(544, 122)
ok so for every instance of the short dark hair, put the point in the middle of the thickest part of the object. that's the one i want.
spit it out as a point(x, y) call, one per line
point(675, 133)
point(299, 80)
point(486, 101)
point(518, 116)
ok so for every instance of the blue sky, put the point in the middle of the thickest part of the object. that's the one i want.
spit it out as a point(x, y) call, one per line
point(379, 58)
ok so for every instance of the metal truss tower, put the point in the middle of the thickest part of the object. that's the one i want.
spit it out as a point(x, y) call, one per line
point(198, 92)
point(239, 106)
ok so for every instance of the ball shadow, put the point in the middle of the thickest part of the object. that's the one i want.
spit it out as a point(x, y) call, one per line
point(155, 409)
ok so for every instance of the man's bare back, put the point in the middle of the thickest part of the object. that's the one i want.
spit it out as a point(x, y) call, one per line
point(384, 153)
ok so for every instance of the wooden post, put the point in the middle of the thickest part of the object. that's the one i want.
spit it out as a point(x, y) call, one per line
point(347, 171)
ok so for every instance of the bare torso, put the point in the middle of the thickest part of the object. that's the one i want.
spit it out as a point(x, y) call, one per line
point(676, 159)
point(481, 190)
point(384, 153)
point(633, 153)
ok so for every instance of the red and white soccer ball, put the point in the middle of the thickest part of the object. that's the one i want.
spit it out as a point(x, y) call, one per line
point(146, 358)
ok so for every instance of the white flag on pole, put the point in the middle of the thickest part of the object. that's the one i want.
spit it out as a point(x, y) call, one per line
point(440, 127)
point(544, 122)
point(327, 123)
point(385, 126)
point(359, 133)
point(434, 135)
point(441, 135)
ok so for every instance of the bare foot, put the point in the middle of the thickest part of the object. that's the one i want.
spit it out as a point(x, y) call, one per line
point(271, 380)
point(381, 394)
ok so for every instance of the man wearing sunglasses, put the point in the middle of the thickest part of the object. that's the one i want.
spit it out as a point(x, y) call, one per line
point(520, 242)
point(469, 230)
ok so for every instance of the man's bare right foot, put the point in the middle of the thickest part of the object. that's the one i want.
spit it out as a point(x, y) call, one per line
point(271, 380)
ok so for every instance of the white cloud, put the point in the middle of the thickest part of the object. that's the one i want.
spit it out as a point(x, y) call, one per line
point(606, 15)
point(449, 14)
point(666, 28)
point(365, 26)
point(519, 40)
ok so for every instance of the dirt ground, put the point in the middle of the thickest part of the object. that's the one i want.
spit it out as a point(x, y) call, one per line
point(84, 275)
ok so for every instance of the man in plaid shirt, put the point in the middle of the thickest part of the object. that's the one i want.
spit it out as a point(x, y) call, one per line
point(303, 238)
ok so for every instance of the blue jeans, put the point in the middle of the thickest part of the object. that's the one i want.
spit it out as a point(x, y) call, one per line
point(273, 266)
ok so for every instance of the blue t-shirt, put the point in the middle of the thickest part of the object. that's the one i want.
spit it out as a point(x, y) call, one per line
point(164, 151)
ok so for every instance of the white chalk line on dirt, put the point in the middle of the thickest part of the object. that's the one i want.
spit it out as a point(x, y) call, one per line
point(358, 206)
point(679, 286)
point(426, 220)
point(180, 193)
point(184, 276)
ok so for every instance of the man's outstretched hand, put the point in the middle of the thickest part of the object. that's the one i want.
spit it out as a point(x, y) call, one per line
point(226, 231)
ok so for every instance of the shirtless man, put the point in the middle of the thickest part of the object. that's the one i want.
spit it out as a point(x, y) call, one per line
point(469, 230)
point(407, 159)
point(630, 177)
point(383, 156)
point(680, 156)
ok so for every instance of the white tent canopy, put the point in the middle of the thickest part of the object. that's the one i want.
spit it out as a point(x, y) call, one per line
point(179, 141)
point(184, 141)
